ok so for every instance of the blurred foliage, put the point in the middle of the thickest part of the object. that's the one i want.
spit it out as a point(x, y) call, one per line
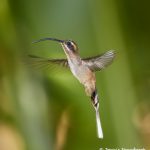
point(43, 111)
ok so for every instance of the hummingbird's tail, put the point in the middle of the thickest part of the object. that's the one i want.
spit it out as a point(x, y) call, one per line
point(95, 102)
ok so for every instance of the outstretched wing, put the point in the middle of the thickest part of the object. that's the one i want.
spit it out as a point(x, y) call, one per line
point(47, 63)
point(99, 62)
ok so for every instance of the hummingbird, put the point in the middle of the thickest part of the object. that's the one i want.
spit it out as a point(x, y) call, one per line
point(83, 69)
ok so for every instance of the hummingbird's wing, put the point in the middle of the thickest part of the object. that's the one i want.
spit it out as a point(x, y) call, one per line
point(46, 63)
point(101, 61)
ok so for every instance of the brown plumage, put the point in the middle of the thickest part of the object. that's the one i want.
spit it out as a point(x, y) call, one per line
point(83, 69)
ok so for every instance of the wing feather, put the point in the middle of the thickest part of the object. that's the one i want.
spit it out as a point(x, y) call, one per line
point(46, 62)
point(101, 61)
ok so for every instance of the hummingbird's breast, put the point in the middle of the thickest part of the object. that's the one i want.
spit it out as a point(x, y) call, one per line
point(83, 74)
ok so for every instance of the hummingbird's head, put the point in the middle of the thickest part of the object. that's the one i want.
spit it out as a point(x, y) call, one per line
point(69, 46)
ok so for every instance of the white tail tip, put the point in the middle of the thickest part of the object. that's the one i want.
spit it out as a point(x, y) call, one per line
point(99, 127)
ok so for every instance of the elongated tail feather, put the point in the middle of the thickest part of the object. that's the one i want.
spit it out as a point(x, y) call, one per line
point(99, 127)
point(95, 102)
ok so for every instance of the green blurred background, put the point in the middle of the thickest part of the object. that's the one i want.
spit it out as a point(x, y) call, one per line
point(49, 110)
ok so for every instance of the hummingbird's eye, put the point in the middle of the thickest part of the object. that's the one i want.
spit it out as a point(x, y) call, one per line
point(70, 45)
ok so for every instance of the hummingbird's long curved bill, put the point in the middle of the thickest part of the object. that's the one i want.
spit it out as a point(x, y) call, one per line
point(45, 39)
